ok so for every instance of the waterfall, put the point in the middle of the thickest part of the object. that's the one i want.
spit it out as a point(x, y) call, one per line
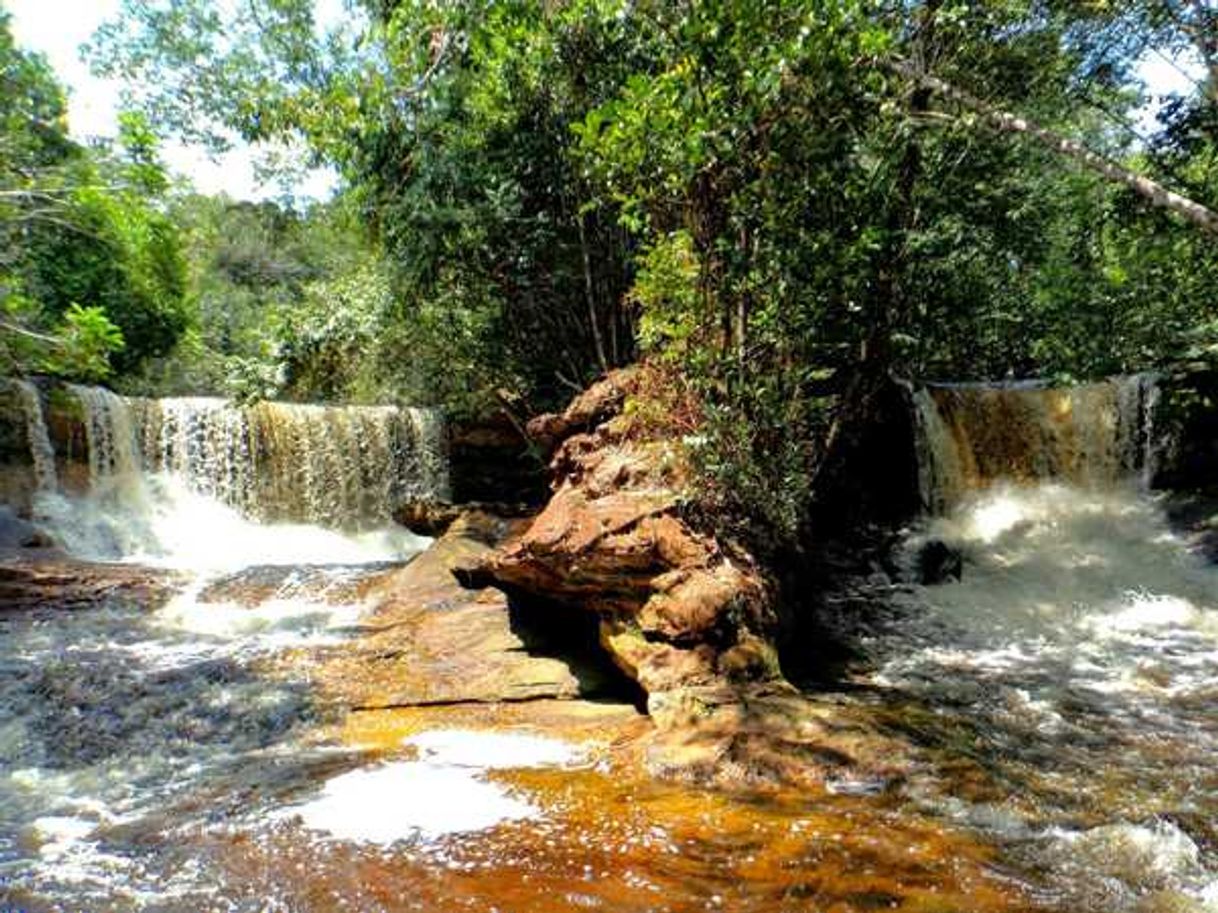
point(341, 467)
point(109, 434)
point(328, 465)
point(42, 454)
point(1091, 435)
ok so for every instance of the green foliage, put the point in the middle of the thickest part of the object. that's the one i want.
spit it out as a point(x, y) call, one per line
point(285, 304)
point(453, 123)
point(759, 194)
point(80, 225)
point(665, 291)
point(88, 338)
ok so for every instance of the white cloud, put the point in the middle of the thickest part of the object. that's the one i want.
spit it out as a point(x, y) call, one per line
point(57, 28)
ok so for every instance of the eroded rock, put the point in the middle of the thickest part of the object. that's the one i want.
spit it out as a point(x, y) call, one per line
point(431, 642)
point(433, 518)
point(688, 617)
point(939, 562)
point(46, 579)
point(18, 533)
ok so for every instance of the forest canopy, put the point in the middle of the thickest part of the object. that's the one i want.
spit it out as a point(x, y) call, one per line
point(781, 203)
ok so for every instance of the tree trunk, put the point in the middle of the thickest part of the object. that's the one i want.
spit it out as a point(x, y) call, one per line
point(1152, 191)
point(590, 293)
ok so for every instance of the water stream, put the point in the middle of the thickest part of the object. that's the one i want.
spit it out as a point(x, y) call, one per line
point(1060, 700)
point(126, 725)
point(1065, 685)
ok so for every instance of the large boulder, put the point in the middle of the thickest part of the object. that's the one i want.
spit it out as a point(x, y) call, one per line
point(676, 608)
point(431, 643)
point(689, 617)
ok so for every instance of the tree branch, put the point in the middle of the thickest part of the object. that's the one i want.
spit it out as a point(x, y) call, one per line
point(30, 334)
point(1155, 193)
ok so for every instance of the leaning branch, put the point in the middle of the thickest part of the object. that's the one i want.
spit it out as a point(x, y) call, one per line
point(29, 334)
point(1154, 192)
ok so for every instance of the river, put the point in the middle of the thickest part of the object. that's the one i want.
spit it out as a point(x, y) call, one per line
point(1058, 701)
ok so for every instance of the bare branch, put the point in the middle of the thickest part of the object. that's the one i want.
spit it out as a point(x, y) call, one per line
point(1152, 191)
point(30, 334)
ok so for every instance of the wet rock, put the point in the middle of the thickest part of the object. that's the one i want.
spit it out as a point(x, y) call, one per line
point(492, 459)
point(17, 481)
point(433, 518)
point(939, 562)
point(432, 643)
point(256, 585)
point(426, 518)
point(33, 580)
point(761, 734)
point(18, 533)
point(688, 617)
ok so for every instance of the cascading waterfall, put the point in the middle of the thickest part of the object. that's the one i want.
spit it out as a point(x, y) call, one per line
point(1092, 435)
point(198, 478)
point(273, 462)
point(42, 454)
point(1077, 644)
point(110, 435)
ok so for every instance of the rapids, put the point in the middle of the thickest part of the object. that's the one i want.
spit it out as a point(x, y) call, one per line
point(1065, 686)
point(1060, 701)
point(124, 724)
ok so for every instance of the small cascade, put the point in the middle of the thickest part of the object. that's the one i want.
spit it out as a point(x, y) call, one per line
point(42, 454)
point(1091, 435)
point(110, 434)
point(339, 467)
point(334, 466)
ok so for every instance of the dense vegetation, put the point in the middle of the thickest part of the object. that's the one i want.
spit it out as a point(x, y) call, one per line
point(780, 203)
point(90, 268)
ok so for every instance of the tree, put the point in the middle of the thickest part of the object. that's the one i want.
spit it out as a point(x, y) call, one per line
point(453, 124)
point(784, 202)
point(36, 203)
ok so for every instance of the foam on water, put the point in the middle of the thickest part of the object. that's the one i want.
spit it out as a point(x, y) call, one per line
point(441, 793)
point(409, 799)
point(124, 729)
point(1079, 648)
point(492, 750)
point(160, 521)
point(1147, 856)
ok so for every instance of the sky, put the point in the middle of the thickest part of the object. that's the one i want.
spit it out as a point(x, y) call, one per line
point(57, 28)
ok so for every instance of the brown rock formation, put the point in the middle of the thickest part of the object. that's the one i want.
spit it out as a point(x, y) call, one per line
point(690, 618)
point(675, 608)
point(490, 458)
point(431, 643)
point(433, 518)
point(32, 579)
point(598, 403)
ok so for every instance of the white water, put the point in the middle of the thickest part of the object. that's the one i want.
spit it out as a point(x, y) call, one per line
point(42, 455)
point(158, 520)
point(1095, 578)
point(1075, 663)
point(200, 484)
point(328, 465)
point(443, 792)
point(1081, 648)
point(123, 727)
